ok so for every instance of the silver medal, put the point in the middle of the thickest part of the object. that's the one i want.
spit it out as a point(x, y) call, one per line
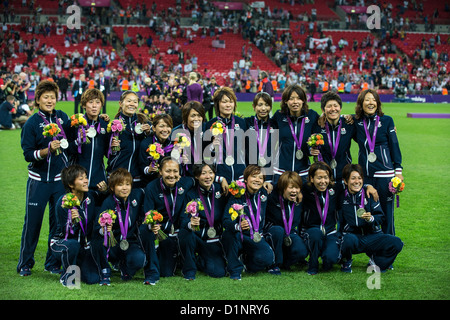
point(124, 245)
point(64, 143)
point(172, 230)
point(299, 154)
point(257, 237)
point(333, 164)
point(211, 232)
point(229, 160)
point(262, 161)
point(138, 128)
point(322, 228)
point(372, 157)
point(360, 212)
point(91, 133)
point(287, 241)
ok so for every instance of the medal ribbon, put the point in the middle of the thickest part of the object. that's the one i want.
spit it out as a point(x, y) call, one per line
point(209, 217)
point(262, 145)
point(229, 143)
point(166, 202)
point(371, 140)
point(322, 212)
point(62, 134)
point(249, 223)
point(298, 141)
point(123, 226)
point(336, 143)
point(287, 225)
point(254, 220)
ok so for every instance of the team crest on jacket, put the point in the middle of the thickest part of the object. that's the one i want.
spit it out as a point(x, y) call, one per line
point(263, 198)
point(134, 203)
point(217, 195)
point(343, 131)
point(88, 201)
point(331, 191)
point(180, 190)
point(102, 130)
point(306, 120)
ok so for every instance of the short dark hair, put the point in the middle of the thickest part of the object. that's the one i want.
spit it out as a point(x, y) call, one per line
point(117, 176)
point(329, 96)
point(197, 169)
point(91, 94)
point(218, 95)
point(320, 165)
point(349, 168)
point(45, 86)
point(286, 178)
point(262, 95)
point(163, 117)
point(253, 169)
point(70, 174)
point(165, 160)
point(192, 105)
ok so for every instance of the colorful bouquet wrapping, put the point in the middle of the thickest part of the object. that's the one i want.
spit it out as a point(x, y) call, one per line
point(193, 207)
point(396, 186)
point(182, 141)
point(115, 126)
point(107, 218)
point(316, 141)
point(153, 217)
point(217, 128)
point(69, 201)
point(79, 121)
point(52, 131)
point(155, 151)
point(237, 188)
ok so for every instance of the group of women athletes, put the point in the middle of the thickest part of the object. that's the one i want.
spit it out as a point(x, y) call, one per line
point(289, 210)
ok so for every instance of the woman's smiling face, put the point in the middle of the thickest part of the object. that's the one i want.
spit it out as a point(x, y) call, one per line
point(129, 104)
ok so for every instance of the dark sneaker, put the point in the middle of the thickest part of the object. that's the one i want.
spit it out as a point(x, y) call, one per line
point(25, 271)
point(275, 271)
point(347, 266)
point(54, 270)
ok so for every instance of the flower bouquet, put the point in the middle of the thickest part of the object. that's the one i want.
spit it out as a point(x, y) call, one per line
point(316, 141)
point(396, 186)
point(107, 218)
point(193, 207)
point(217, 128)
point(237, 188)
point(236, 210)
point(182, 141)
point(151, 218)
point(69, 201)
point(52, 131)
point(155, 152)
point(79, 121)
point(115, 126)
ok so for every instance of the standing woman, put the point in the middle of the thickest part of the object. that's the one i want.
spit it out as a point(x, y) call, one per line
point(194, 90)
point(91, 155)
point(165, 195)
point(379, 151)
point(259, 146)
point(320, 204)
point(148, 166)
point(206, 240)
point(284, 213)
point(245, 235)
point(193, 115)
point(230, 158)
point(295, 121)
point(136, 128)
point(46, 159)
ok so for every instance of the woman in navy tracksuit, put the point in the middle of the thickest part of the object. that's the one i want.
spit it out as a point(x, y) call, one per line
point(283, 224)
point(137, 127)
point(295, 121)
point(362, 230)
point(379, 151)
point(165, 195)
point(230, 158)
point(207, 240)
point(259, 149)
point(193, 115)
point(320, 205)
point(44, 174)
point(337, 135)
point(245, 235)
point(162, 127)
point(127, 254)
point(91, 155)
point(72, 242)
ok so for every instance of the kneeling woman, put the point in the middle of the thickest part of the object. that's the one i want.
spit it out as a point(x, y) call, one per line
point(243, 219)
point(165, 195)
point(202, 233)
point(127, 204)
point(360, 222)
point(71, 245)
point(283, 221)
point(320, 217)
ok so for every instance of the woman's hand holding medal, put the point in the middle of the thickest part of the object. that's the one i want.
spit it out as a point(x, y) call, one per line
point(54, 145)
point(366, 216)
